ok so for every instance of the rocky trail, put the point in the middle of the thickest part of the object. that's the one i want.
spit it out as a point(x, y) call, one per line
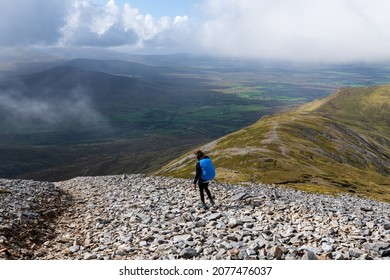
point(141, 217)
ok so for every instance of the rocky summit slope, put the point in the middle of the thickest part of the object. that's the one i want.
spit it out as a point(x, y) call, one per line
point(140, 217)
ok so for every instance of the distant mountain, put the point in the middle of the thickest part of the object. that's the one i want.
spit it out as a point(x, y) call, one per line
point(337, 144)
point(110, 85)
point(92, 117)
point(118, 67)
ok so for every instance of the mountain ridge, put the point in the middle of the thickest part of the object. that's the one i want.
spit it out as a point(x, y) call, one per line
point(336, 144)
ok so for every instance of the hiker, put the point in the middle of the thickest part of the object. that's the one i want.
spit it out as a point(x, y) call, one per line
point(204, 173)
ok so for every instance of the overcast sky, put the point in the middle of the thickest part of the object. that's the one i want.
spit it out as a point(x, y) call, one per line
point(302, 30)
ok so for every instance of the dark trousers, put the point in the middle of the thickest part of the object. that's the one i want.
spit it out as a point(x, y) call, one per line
point(204, 186)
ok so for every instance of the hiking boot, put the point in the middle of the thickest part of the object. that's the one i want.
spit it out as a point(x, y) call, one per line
point(203, 205)
point(212, 202)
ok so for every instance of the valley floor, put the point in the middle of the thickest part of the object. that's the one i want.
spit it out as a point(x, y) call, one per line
point(141, 217)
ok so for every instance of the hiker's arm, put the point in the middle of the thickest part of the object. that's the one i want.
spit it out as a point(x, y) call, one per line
point(198, 173)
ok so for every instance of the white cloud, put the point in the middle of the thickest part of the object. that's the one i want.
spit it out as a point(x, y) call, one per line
point(33, 22)
point(88, 24)
point(70, 23)
point(102, 22)
point(16, 107)
point(319, 30)
point(337, 30)
point(110, 25)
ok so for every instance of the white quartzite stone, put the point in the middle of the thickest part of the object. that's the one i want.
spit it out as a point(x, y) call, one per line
point(140, 217)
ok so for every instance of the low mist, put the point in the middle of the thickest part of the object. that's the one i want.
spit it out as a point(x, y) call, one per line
point(17, 107)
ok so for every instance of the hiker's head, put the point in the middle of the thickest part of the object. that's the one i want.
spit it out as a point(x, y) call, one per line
point(199, 154)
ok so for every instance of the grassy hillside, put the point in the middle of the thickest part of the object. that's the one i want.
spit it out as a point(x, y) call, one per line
point(333, 145)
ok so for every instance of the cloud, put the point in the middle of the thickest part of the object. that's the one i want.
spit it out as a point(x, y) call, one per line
point(91, 25)
point(303, 30)
point(70, 23)
point(31, 22)
point(16, 107)
point(111, 25)
point(325, 30)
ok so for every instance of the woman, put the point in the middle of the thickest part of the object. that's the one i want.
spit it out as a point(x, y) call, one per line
point(205, 171)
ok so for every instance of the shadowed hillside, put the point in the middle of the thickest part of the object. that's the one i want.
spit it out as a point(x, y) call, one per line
point(337, 144)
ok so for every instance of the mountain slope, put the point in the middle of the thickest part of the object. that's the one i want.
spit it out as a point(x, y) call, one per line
point(118, 67)
point(143, 217)
point(92, 117)
point(337, 144)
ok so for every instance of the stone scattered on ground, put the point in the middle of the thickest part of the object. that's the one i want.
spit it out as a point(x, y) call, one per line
point(141, 217)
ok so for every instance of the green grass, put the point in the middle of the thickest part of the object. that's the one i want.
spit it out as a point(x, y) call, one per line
point(336, 145)
point(271, 92)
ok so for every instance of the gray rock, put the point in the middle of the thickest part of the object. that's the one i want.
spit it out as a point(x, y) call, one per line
point(276, 252)
point(251, 252)
point(179, 238)
point(215, 216)
point(370, 225)
point(188, 253)
point(309, 255)
point(366, 209)
point(339, 256)
point(233, 222)
point(327, 247)
point(3, 239)
point(124, 249)
point(310, 249)
point(221, 252)
point(386, 253)
point(243, 255)
point(238, 197)
point(74, 248)
point(145, 217)
point(376, 247)
point(296, 240)
point(248, 225)
point(353, 253)
point(90, 256)
point(226, 245)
